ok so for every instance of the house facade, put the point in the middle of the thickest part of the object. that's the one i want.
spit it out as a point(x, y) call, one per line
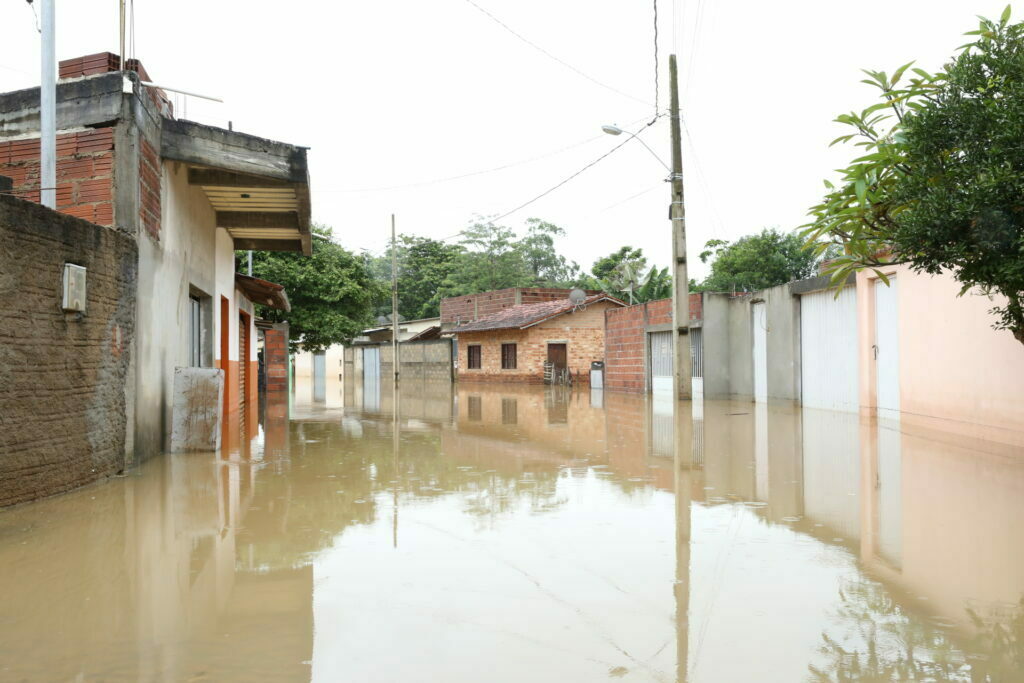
point(189, 195)
point(514, 343)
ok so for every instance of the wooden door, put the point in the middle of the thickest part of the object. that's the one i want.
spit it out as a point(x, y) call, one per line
point(558, 357)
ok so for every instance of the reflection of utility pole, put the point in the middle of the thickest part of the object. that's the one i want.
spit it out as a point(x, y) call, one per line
point(394, 304)
point(682, 377)
point(684, 466)
point(395, 446)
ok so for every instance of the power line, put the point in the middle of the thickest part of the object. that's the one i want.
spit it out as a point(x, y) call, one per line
point(564, 63)
point(471, 173)
point(577, 173)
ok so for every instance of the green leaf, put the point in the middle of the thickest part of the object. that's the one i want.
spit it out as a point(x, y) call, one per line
point(861, 188)
point(1005, 16)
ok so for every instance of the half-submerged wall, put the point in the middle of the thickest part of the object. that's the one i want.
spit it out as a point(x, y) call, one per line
point(65, 378)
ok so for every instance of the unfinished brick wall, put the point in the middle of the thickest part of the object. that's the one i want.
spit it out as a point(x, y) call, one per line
point(583, 332)
point(63, 376)
point(149, 188)
point(626, 340)
point(275, 359)
point(473, 306)
point(85, 172)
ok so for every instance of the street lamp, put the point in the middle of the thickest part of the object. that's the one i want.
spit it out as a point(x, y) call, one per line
point(615, 130)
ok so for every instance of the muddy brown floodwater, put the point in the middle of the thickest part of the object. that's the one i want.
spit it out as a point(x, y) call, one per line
point(495, 533)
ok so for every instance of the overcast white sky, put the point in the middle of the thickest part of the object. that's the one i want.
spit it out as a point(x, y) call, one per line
point(407, 92)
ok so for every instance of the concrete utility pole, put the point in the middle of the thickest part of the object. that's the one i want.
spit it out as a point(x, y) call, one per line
point(394, 303)
point(682, 377)
point(48, 110)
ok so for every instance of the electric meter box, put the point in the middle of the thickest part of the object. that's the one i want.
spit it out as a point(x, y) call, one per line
point(74, 288)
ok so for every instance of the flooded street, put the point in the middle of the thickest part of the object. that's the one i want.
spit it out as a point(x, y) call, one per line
point(505, 533)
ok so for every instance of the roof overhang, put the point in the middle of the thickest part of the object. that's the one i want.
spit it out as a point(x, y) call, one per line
point(263, 292)
point(258, 188)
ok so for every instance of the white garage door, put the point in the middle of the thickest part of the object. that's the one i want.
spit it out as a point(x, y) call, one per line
point(661, 362)
point(828, 349)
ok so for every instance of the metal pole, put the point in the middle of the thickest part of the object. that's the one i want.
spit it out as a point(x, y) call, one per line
point(682, 379)
point(48, 110)
point(394, 304)
point(250, 263)
point(121, 34)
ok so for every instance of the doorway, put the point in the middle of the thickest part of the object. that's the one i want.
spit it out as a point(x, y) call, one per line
point(886, 350)
point(558, 356)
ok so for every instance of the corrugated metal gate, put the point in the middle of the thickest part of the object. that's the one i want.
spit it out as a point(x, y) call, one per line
point(320, 376)
point(697, 351)
point(661, 362)
point(828, 350)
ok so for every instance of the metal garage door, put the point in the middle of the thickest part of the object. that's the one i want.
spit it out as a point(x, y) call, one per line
point(887, 349)
point(828, 349)
point(661, 362)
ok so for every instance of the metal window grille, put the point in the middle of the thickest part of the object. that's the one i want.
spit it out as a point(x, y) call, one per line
point(697, 351)
point(473, 357)
point(195, 332)
point(508, 356)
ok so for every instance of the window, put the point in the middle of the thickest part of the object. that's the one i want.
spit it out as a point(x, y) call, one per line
point(509, 411)
point(475, 407)
point(508, 356)
point(473, 357)
point(195, 331)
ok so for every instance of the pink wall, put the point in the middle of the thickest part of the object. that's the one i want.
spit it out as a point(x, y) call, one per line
point(956, 372)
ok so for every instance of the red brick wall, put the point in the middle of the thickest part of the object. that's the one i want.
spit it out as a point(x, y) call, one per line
point(85, 162)
point(473, 306)
point(275, 359)
point(625, 340)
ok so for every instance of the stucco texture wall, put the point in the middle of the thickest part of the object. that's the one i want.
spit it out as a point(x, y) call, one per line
point(183, 258)
point(956, 372)
point(64, 377)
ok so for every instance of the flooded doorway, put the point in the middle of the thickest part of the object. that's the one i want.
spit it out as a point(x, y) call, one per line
point(558, 357)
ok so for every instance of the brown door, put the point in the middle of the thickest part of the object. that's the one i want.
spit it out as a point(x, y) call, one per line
point(557, 356)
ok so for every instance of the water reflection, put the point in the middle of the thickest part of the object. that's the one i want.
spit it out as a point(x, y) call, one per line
point(535, 534)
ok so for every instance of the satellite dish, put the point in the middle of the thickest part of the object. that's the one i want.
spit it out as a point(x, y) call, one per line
point(577, 296)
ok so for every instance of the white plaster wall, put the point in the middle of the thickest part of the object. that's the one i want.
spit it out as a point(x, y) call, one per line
point(188, 252)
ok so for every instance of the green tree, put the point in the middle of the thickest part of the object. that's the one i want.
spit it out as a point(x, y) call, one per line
point(605, 267)
point(545, 264)
point(939, 181)
point(331, 292)
point(423, 265)
point(754, 262)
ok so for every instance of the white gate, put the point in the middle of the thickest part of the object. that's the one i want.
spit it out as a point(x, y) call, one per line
point(760, 324)
point(661, 362)
point(886, 350)
point(319, 376)
point(828, 350)
point(371, 378)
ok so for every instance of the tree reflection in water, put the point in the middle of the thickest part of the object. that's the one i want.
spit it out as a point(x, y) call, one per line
point(874, 639)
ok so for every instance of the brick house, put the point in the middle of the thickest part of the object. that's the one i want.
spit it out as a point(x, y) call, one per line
point(512, 344)
point(188, 195)
point(457, 310)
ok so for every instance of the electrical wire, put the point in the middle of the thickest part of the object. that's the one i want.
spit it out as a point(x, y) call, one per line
point(32, 5)
point(564, 63)
point(577, 173)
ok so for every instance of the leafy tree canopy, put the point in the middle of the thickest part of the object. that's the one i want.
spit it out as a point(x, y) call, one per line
point(754, 262)
point(423, 264)
point(939, 180)
point(606, 266)
point(331, 292)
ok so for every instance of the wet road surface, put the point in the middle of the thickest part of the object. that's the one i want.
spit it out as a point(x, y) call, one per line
point(524, 534)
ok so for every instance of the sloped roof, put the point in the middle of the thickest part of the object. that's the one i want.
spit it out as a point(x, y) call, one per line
point(528, 315)
point(263, 292)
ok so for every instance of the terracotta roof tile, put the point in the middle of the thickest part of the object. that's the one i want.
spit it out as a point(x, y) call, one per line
point(525, 315)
